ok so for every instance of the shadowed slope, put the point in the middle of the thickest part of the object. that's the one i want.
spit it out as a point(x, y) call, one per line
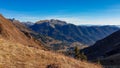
point(106, 47)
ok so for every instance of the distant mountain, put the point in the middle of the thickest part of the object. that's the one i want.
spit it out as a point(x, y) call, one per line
point(107, 50)
point(28, 23)
point(60, 30)
point(52, 22)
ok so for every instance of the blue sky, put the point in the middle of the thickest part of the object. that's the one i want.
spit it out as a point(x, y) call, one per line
point(96, 12)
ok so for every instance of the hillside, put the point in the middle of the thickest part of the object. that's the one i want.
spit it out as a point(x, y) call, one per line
point(107, 50)
point(105, 47)
point(9, 32)
point(60, 30)
point(16, 55)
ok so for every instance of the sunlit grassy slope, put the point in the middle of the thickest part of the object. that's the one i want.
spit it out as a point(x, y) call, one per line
point(15, 55)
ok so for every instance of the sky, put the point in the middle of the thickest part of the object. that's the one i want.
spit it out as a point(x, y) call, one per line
point(93, 12)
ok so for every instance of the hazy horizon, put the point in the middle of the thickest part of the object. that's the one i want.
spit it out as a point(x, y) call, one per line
point(79, 12)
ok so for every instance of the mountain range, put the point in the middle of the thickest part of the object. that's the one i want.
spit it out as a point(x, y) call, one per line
point(60, 30)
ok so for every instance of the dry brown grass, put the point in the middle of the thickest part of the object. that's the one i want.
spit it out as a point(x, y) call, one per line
point(15, 55)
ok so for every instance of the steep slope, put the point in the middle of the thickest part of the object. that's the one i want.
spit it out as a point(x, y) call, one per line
point(62, 31)
point(15, 55)
point(104, 48)
point(9, 32)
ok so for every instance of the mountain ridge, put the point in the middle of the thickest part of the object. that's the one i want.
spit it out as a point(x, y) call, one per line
point(71, 33)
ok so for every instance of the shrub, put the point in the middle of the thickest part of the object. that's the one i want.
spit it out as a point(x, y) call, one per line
point(83, 56)
point(78, 55)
